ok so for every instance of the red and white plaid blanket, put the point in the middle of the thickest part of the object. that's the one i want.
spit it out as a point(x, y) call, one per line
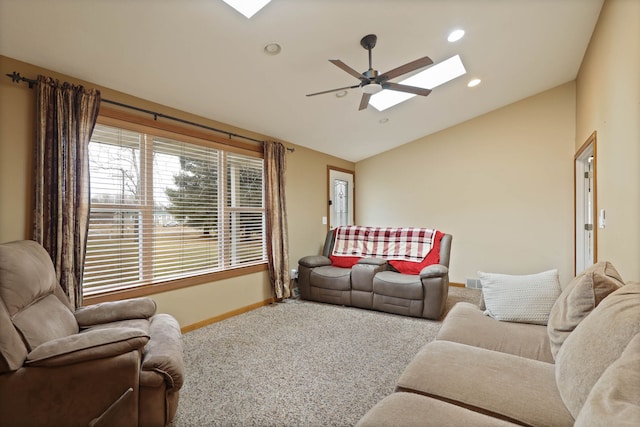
point(408, 244)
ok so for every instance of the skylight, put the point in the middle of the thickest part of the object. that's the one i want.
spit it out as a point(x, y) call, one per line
point(433, 76)
point(247, 7)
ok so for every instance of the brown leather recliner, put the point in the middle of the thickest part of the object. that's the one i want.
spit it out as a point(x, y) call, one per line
point(110, 364)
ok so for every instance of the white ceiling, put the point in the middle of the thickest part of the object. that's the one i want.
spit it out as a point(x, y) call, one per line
point(203, 57)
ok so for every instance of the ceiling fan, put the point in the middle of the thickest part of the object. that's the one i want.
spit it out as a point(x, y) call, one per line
point(372, 82)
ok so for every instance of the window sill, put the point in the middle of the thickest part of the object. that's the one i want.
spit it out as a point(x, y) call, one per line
point(146, 290)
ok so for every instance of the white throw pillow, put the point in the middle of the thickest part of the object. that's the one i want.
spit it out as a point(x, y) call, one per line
point(520, 298)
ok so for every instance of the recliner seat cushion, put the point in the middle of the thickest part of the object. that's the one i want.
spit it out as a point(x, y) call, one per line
point(405, 286)
point(596, 343)
point(329, 277)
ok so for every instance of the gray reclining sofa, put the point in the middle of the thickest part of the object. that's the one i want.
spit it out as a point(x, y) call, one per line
point(373, 284)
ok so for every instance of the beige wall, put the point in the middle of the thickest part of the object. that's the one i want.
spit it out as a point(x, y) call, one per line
point(307, 200)
point(306, 193)
point(501, 184)
point(608, 101)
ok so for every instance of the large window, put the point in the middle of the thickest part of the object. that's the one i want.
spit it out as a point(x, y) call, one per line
point(163, 209)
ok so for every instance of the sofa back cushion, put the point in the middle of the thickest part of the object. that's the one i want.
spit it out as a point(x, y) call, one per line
point(595, 344)
point(578, 299)
point(615, 399)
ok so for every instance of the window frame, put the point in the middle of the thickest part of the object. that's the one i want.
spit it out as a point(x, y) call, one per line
point(136, 123)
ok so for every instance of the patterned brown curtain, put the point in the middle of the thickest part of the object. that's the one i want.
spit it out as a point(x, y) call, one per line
point(277, 234)
point(66, 115)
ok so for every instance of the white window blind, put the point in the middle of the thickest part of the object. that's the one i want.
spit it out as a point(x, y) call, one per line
point(164, 209)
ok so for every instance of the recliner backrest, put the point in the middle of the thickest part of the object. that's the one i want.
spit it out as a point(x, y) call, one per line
point(33, 307)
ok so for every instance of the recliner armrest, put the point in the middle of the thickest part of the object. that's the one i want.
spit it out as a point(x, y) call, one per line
point(312, 261)
point(113, 311)
point(163, 353)
point(91, 345)
point(372, 261)
point(434, 270)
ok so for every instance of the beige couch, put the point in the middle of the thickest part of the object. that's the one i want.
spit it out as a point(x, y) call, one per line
point(373, 284)
point(582, 368)
point(111, 364)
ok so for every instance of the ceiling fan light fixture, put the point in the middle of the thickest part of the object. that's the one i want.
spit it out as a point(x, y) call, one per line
point(371, 88)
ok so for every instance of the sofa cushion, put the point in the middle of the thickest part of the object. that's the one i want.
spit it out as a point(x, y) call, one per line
point(596, 343)
point(520, 298)
point(615, 399)
point(578, 299)
point(414, 410)
point(504, 385)
point(467, 324)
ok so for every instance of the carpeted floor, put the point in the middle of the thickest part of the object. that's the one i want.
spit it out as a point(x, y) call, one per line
point(298, 363)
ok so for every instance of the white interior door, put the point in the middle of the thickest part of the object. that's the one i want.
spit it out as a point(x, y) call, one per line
point(341, 198)
point(585, 206)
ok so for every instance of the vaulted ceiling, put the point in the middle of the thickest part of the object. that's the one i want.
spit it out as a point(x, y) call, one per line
point(203, 57)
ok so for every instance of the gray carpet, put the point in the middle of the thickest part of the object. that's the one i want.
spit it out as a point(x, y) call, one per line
point(298, 363)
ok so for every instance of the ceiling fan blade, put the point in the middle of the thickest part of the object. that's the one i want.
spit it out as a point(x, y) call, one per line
point(364, 102)
point(346, 68)
point(333, 90)
point(406, 68)
point(408, 89)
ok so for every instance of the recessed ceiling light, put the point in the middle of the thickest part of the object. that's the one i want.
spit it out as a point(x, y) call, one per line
point(341, 94)
point(272, 48)
point(247, 7)
point(455, 35)
point(474, 83)
point(383, 120)
point(433, 76)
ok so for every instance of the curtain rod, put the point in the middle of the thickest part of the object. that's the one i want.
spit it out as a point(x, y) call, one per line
point(16, 78)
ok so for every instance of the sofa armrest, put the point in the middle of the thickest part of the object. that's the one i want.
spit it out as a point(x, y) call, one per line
point(372, 261)
point(113, 311)
point(91, 345)
point(434, 270)
point(312, 261)
point(435, 281)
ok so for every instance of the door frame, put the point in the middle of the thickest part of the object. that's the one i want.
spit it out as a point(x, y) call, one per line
point(338, 169)
point(588, 148)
